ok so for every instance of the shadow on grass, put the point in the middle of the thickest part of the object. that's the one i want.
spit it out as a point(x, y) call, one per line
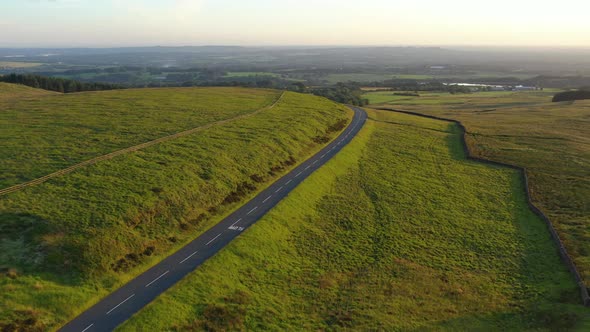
point(550, 294)
point(547, 318)
point(455, 142)
point(29, 248)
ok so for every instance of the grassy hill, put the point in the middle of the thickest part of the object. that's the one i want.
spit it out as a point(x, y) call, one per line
point(552, 140)
point(54, 131)
point(14, 92)
point(397, 232)
point(70, 240)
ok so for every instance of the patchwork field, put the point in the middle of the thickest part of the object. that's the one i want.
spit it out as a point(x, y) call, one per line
point(72, 239)
point(397, 232)
point(552, 140)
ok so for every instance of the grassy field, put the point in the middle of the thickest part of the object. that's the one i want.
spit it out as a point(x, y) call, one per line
point(358, 77)
point(45, 134)
point(16, 64)
point(250, 73)
point(71, 240)
point(12, 93)
point(552, 140)
point(481, 99)
point(397, 233)
point(377, 77)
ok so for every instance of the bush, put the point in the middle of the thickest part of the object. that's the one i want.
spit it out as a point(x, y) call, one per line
point(572, 95)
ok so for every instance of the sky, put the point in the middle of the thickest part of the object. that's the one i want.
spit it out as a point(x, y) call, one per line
point(108, 23)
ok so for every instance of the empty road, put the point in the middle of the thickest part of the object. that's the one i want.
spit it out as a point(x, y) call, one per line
point(121, 304)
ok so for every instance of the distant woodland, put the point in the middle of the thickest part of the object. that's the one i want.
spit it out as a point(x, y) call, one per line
point(572, 95)
point(56, 84)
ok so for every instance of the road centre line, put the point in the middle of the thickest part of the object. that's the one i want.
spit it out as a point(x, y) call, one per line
point(254, 209)
point(276, 191)
point(288, 181)
point(213, 239)
point(87, 327)
point(266, 199)
point(115, 307)
point(237, 221)
point(298, 174)
point(187, 257)
point(163, 274)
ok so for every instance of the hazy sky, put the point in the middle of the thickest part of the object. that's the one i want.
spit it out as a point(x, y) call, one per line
point(293, 22)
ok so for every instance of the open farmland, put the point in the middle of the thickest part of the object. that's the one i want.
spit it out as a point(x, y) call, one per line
point(552, 140)
point(74, 238)
point(397, 232)
point(16, 64)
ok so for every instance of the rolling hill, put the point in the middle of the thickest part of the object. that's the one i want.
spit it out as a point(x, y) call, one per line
point(71, 239)
point(396, 233)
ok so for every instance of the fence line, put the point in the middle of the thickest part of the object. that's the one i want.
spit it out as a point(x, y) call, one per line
point(566, 258)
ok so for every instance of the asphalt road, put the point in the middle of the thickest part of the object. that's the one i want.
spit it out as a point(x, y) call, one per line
point(121, 304)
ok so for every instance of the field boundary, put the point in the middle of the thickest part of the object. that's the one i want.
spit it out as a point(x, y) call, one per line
point(114, 154)
point(565, 257)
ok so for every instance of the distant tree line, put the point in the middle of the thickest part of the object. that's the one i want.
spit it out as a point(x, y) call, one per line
point(572, 95)
point(346, 93)
point(56, 84)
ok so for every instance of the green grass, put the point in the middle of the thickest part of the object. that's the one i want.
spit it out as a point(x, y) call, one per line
point(13, 92)
point(377, 77)
point(442, 98)
point(16, 64)
point(46, 134)
point(71, 240)
point(367, 77)
point(396, 232)
point(552, 140)
point(250, 73)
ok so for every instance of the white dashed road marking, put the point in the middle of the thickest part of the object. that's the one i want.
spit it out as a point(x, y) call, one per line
point(87, 327)
point(213, 239)
point(163, 274)
point(237, 221)
point(115, 307)
point(187, 257)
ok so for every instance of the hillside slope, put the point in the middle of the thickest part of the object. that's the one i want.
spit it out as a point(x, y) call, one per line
point(74, 238)
point(55, 131)
point(397, 233)
point(552, 140)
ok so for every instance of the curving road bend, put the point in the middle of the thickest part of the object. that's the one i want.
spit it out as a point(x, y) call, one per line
point(121, 304)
